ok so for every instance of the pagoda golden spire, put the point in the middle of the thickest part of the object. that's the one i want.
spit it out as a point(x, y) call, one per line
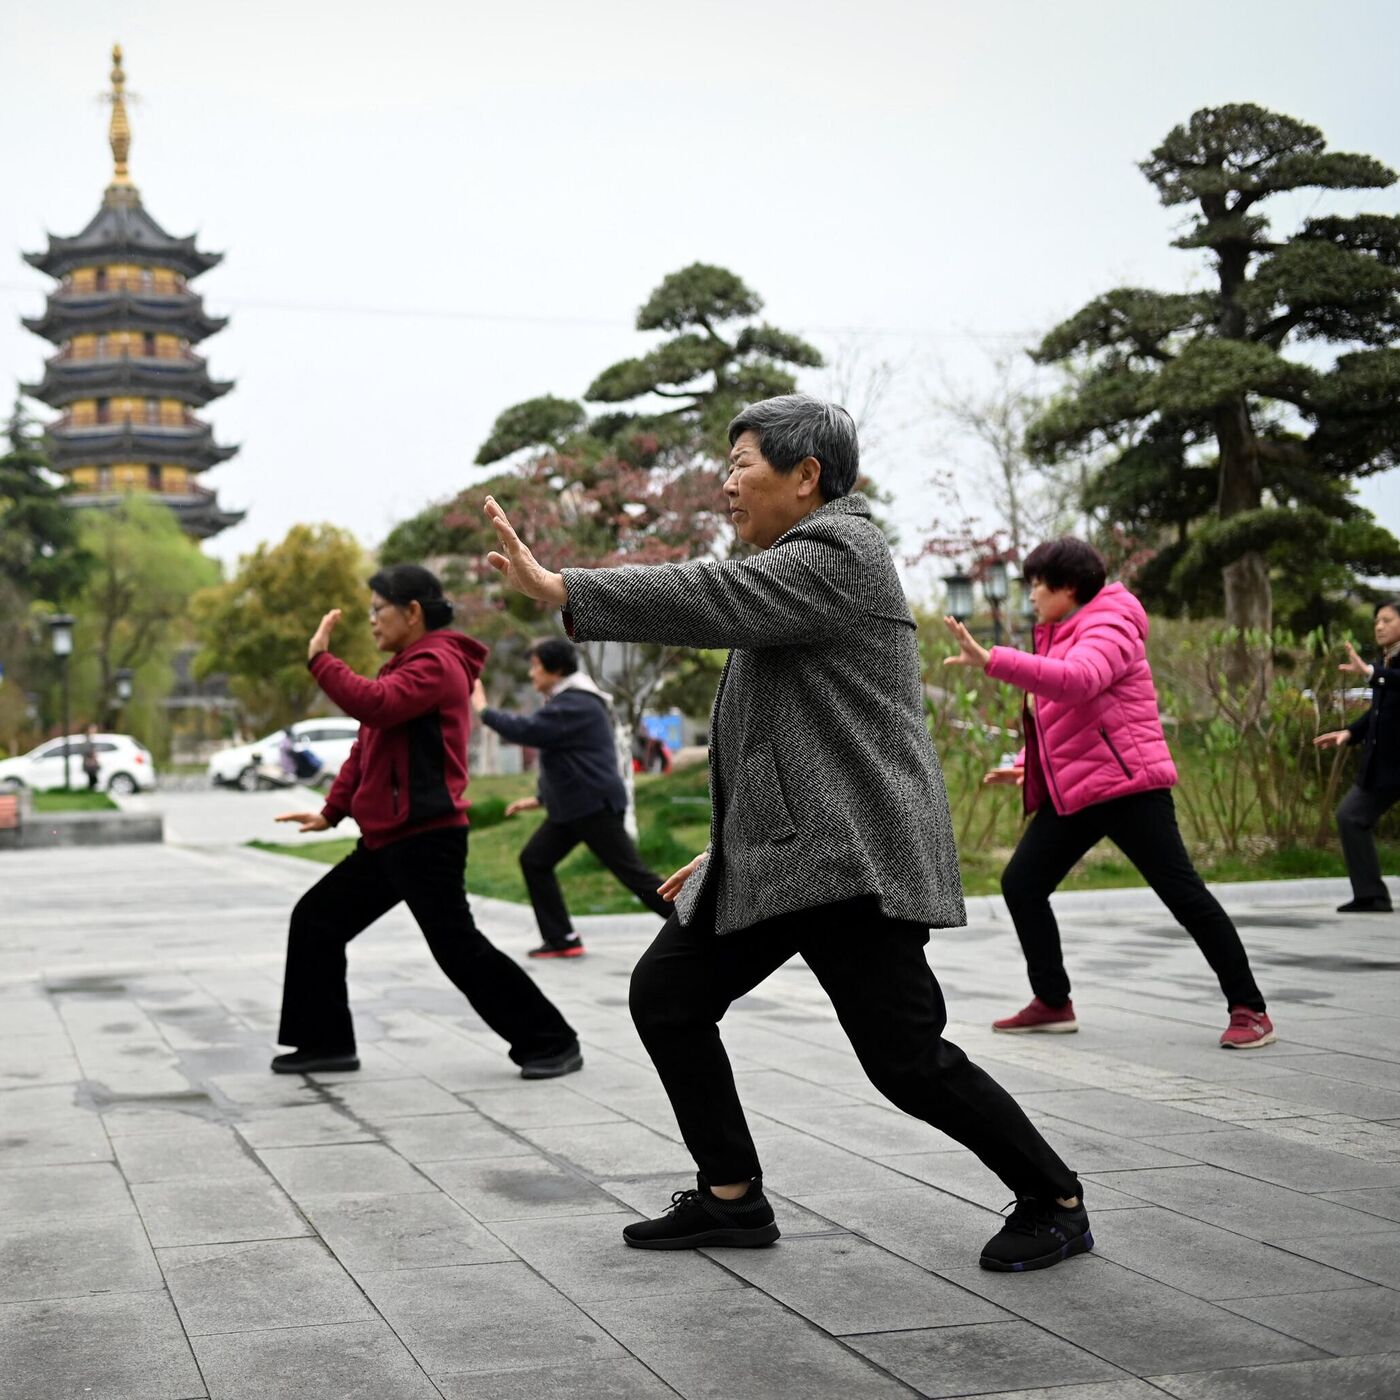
point(119, 134)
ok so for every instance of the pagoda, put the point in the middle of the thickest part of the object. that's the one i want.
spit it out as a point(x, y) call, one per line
point(126, 379)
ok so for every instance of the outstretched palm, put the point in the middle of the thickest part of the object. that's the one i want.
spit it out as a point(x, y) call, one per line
point(522, 570)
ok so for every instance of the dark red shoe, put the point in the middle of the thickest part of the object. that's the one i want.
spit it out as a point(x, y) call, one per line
point(1247, 1030)
point(570, 948)
point(1054, 1020)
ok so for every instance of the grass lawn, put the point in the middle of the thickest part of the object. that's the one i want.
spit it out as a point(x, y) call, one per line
point(674, 815)
point(84, 801)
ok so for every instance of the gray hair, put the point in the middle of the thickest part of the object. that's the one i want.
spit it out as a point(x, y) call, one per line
point(793, 427)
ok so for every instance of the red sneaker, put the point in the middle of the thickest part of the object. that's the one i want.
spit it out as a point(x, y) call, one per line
point(1055, 1020)
point(1247, 1030)
point(570, 948)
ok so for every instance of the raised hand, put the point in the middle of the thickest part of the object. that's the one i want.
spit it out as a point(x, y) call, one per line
point(321, 638)
point(1354, 665)
point(310, 821)
point(479, 700)
point(971, 652)
point(523, 572)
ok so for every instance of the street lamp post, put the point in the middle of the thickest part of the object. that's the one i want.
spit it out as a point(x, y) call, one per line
point(959, 588)
point(996, 585)
point(121, 681)
point(61, 636)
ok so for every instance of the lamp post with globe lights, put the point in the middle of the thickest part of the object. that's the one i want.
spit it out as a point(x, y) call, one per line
point(61, 638)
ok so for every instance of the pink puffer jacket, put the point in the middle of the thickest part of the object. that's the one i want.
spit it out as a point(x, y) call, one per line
point(1095, 728)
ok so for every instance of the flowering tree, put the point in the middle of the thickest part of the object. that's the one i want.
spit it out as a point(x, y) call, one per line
point(638, 483)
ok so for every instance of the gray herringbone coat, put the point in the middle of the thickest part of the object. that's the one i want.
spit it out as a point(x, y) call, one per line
point(824, 783)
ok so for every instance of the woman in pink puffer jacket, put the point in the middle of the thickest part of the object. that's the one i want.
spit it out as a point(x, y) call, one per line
point(1096, 764)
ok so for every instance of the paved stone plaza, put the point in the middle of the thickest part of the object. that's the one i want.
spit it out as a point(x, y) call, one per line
point(177, 1222)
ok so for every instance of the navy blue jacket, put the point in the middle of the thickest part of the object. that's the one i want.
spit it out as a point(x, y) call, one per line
point(1377, 732)
point(578, 755)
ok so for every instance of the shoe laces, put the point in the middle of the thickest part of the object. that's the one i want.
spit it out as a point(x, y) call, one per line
point(1028, 1216)
point(682, 1198)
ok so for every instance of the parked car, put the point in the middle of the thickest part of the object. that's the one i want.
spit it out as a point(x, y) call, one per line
point(124, 765)
point(250, 766)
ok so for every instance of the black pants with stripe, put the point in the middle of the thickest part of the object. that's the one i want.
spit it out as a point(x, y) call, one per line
point(428, 873)
point(1142, 826)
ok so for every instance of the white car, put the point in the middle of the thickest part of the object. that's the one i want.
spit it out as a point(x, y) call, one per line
point(124, 765)
point(247, 766)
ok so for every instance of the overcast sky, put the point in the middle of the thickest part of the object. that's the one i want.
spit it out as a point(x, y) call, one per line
point(432, 210)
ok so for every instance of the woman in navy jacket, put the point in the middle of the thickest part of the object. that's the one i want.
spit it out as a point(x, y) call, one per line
point(404, 784)
point(1377, 786)
point(580, 788)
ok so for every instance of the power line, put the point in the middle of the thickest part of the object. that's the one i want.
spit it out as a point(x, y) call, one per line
point(439, 313)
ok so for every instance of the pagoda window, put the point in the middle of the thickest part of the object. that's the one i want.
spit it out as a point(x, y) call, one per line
point(104, 478)
point(99, 279)
point(104, 410)
point(99, 346)
point(153, 476)
point(153, 414)
point(148, 279)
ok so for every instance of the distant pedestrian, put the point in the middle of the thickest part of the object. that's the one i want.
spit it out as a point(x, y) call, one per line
point(580, 788)
point(92, 764)
point(1377, 786)
point(830, 836)
point(1096, 765)
point(404, 784)
point(287, 755)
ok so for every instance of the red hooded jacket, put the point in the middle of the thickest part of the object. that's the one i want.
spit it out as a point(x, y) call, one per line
point(407, 772)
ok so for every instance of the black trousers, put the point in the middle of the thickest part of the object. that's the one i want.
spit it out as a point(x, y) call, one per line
point(889, 1004)
point(605, 835)
point(1142, 826)
point(1357, 816)
point(427, 873)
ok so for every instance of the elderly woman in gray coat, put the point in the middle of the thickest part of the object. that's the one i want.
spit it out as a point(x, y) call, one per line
point(830, 835)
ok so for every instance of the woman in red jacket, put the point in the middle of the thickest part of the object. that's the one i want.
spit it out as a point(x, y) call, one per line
point(404, 784)
point(1096, 764)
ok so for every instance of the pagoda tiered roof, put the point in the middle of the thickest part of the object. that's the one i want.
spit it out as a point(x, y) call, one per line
point(125, 380)
point(190, 445)
point(197, 509)
point(68, 379)
point(69, 313)
point(122, 232)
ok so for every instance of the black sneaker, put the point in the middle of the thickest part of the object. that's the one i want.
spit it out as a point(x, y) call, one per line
point(569, 948)
point(1372, 904)
point(315, 1061)
point(1037, 1235)
point(552, 1066)
point(700, 1220)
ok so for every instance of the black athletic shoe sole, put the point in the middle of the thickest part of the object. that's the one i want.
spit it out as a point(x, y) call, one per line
point(326, 1064)
point(712, 1239)
point(551, 1069)
point(1081, 1244)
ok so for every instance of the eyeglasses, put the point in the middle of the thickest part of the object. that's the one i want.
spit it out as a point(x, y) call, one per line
point(377, 608)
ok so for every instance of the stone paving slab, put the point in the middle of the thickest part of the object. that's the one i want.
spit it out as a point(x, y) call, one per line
point(177, 1222)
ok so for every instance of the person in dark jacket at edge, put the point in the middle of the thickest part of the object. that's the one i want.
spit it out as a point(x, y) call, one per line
point(404, 783)
point(580, 789)
point(1377, 786)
